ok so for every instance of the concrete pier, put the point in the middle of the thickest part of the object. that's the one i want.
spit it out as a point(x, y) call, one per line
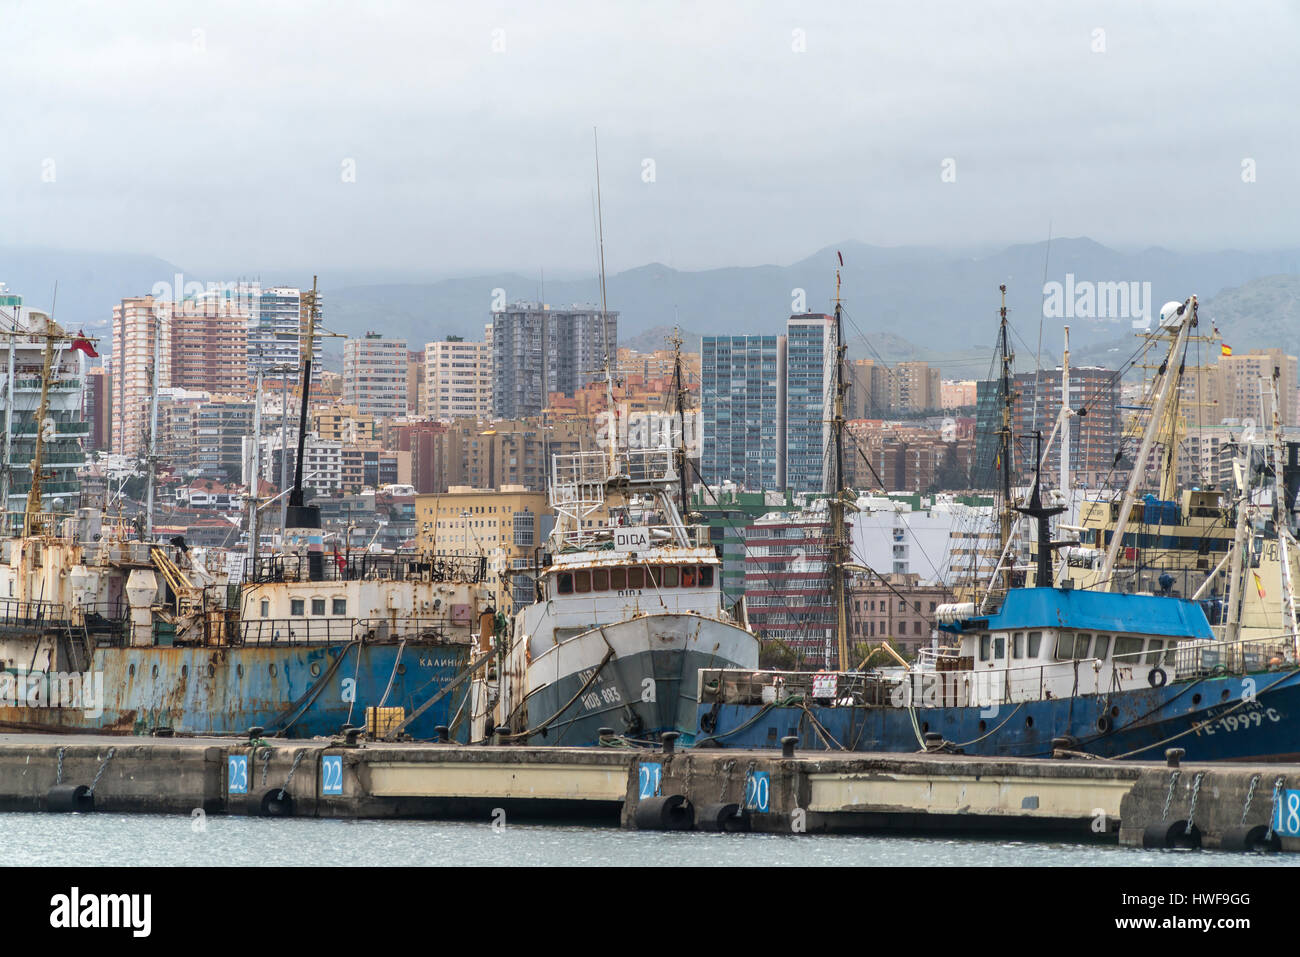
point(1223, 805)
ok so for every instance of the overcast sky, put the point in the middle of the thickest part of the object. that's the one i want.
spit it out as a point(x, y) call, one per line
point(219, 135)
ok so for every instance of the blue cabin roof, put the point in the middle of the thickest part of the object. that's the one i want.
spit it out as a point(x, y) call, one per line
point(1092, 611)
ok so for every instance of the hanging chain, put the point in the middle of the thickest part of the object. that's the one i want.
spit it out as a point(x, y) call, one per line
point(102, 768)
point(1250, 793)
point(296, 761)
point(1173, 779)
point(1273, 812)
point(59, 779)
point(1196, 790)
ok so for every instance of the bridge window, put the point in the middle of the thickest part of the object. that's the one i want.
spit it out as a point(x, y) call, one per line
point(671, 577)
point(565, 582)
point(1018, 645)
point(600, 579)
point(266, 608)
point(985, 646)
point(582, 582)
point(706, 576)
point(340, 606)
point(1035, 643)
point(1126, 647)
point(1101, 647)
point(688, 576)
point(318, 606)
point(1154, 648)
point(636, 577)
point(297, 606)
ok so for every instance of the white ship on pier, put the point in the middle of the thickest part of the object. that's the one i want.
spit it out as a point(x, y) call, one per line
point(626, 614)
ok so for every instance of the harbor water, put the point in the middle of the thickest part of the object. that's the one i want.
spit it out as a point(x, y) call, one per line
point(112, 840)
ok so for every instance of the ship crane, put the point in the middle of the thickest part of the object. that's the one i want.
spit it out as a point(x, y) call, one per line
point(34, 518)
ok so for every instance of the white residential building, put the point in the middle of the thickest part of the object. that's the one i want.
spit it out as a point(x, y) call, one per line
point(458, 379)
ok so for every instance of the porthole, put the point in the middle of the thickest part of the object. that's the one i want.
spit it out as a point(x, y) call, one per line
point(925, 726)
point(212, 670)
point(271, 669)
point(315, 669)
point(155, 671)
point(239, 670)
point(1029, 721)
point(983, 726)
point(401, 669)
point(1196, 699)
point(185, 671)
point(131, 671)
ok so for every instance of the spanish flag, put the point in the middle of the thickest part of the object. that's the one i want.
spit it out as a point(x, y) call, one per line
point(1259, 585)
point(1225, 349)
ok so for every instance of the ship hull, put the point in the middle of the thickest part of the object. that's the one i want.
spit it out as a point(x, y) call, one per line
point(638, 677)
point(1256, 718)
point(299, 691)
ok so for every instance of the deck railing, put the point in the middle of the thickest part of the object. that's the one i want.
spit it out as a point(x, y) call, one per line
point(983, 685)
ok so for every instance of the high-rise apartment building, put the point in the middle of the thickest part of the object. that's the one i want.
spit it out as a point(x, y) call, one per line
point(141, 330)
point(98, 408)
point(458, 379)
point(868, 393)
point(810, 354)
point(1245, 383)
point(1094, 437)
point(374, 375)
point(209, 346)
point(276, 324)
point(743, 410)
point(537, 350)
point(914, 387)
point(415, 384)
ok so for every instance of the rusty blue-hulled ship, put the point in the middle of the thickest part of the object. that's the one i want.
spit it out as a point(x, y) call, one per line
point(105, 628)
point(127, 636)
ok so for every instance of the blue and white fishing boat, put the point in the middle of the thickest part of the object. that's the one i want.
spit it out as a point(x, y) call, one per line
point(1043, 670)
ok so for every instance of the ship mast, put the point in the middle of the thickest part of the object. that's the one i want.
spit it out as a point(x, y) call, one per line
point(255, 486)
point(1004, 446)
point(6, 468)
point(1282, 518)
point(679, 392)
point(153, 427)
point(604, 319)
point(34, 493)
point(839, 535)
point(1168, 377)
point(295, 496)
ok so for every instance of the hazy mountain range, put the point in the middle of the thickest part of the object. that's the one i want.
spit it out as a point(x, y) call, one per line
point(900, 303)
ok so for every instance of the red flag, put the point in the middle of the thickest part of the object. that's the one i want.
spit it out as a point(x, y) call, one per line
point(82, 344)
point(340, 562)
